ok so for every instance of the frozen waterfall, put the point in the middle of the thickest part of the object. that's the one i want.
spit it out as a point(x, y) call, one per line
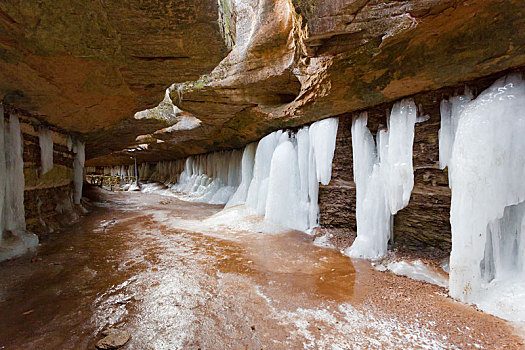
point(384, 177)
point(277, 178)
point(487, 263)
point(210, 178)
point(287, 170)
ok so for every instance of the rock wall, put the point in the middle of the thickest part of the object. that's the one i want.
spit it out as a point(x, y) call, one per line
point(423, 227)
point(48, 197)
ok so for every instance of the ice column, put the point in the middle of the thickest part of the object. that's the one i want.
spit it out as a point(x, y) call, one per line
point(283, 205)
point(78, 169)
point(45, 140)
point(14, 201)
point(256, 198)
point(487, 171)
point(384, 177)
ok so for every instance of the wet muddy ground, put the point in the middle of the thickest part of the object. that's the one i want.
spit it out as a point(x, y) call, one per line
point(162, 270)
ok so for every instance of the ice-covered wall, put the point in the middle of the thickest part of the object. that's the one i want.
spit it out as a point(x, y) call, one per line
point(45, 140)
point(384, 177)
point(78, 168)
point(487, 172)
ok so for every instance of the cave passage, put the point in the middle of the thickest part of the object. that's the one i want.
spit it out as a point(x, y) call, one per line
point(174, 275)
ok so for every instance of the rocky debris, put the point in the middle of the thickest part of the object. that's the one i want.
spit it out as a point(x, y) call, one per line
point(113, 339)
point(109, 331)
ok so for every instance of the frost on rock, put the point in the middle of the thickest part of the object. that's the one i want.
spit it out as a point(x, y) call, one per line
point(78, 169)
point(487, 262)
point(45, 139)
point(384, 177)
point(12, 191)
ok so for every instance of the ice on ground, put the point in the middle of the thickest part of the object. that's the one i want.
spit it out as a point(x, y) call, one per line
point(324, 241)
point(416, 270)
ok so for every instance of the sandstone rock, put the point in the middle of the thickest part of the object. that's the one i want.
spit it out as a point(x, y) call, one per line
point(109, 331)
point(113, 340)
point(86, 66)
point(354, 55)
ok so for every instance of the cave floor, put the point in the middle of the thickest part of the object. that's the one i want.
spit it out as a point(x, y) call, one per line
point(140, 263)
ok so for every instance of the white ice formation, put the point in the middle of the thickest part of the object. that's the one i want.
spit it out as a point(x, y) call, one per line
point(121, 171)
point(12, 213)
point(78, 169)
point(287, 170)
point(416, 270)
point(487, 172)
point(211, 178)
point(450, 112)
point(277, 178)
point(384, 177)
point(45, 139)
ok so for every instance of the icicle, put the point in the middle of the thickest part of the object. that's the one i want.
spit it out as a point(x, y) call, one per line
point(256, 199)
point(384, 177)
point(248, 161)
point(45, 139)
point(488, 200)
point(322, 138)
point(297, 182)
point(78, 168)
point(397, 162)
point(14, 209)
point(69, 143)
point(450, 111)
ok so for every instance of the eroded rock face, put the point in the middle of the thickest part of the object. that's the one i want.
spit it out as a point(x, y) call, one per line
point(88, 66)
point(338, 57)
